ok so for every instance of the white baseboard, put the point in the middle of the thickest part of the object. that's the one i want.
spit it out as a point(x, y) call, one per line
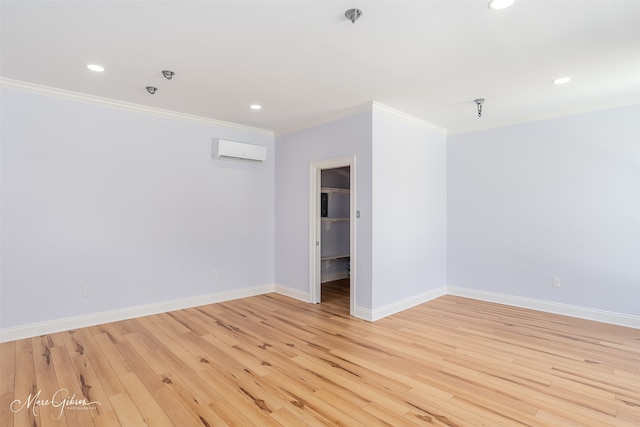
point(549, 307)
point(398, 306)
point(293, 293)
point(69, 323)
point(363, 313)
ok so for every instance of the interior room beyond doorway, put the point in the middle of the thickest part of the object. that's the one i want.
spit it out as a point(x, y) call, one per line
point(335, 242)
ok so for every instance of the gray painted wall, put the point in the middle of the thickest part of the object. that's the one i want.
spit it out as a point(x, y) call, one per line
point(401, 195)
point(409, 209)
point(552, 198)
point(294, 155)
point(130, 204)
point(134, 206)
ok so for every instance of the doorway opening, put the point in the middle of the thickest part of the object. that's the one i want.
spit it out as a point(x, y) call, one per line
point(332, 249)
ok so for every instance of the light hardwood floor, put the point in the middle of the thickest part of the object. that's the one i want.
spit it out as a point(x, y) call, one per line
point(270, 360)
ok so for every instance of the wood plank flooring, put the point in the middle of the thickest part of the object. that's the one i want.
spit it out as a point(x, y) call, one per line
point(273, 361)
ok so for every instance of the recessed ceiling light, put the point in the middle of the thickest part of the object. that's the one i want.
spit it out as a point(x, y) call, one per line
point(500, 4)
point(562, 80)
point(96, 68)
point(255, 107)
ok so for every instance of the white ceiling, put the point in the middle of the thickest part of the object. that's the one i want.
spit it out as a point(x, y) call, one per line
point(303, 60)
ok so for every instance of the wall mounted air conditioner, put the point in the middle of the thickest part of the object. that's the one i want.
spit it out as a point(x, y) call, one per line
point(224, 149)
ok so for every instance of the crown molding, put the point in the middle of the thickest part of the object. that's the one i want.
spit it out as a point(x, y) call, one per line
point(376, 106)
point(369, 106)
point(122, 105)
point(342, 114)
point(632, 100)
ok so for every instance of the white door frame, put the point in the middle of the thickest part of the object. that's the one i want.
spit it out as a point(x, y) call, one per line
point(315, 222)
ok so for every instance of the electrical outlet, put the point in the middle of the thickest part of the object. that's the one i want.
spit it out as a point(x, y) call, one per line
point(216, 274)
point(555, 282)
point(86, 291)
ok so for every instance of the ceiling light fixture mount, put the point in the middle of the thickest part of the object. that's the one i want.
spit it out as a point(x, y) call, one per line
point(353, 15)
point(152, 90)
point(168, 74)
point(479, 102)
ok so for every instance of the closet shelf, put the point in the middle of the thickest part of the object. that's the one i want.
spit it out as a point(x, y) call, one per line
point(330, 257)
point(334, 190)
point(326, 221)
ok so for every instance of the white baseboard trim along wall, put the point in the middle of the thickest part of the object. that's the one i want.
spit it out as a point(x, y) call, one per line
point(398, 306)
point(69, 323)
point(549, 307)
point(293, 293)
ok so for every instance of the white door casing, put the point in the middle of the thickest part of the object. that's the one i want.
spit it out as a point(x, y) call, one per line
point(314, 226)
